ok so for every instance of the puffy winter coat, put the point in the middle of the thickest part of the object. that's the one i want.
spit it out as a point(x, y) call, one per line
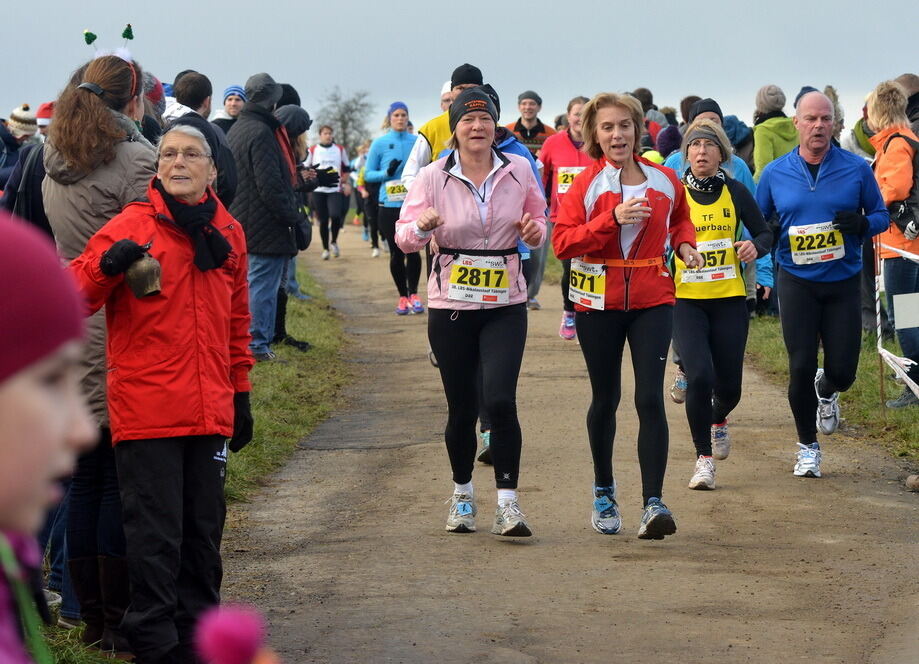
point(585, 226)
point(174, 359)
point(265, 202)
point(77, 205)
point(515, 191)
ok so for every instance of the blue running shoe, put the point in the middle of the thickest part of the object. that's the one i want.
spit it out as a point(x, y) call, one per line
point(484, 455)
point(657, 521)
point(366, 236)
point(605, 517)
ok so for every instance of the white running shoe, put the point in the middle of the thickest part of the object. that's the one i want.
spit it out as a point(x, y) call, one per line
point(375, 253)
point(808, 461)
point(510, 521)
point(704, 476)
point(604, 516)
point(325, 254)
point(721, 441)
point(462, 514)
point(679, 386)
point(827, 409)
point(335, 251)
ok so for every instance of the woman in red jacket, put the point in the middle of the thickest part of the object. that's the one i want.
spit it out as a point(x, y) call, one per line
point(178, 386)
point(615, 223)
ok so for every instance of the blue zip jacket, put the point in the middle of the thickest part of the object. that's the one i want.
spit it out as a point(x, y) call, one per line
point(391, 145)
point(843, 183)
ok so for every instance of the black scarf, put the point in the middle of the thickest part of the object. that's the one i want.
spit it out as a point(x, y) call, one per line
point(759, 118)
point(705, 185)
point(211, 248)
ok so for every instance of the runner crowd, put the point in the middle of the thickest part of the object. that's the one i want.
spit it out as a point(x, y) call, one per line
point(179, 214)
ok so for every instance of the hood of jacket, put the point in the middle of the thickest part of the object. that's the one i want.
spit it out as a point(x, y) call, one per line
point(736, 130)
point(59, 170)
point(8, 139)
point(784, 128)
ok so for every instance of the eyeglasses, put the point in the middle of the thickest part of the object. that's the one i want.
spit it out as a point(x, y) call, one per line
point(190, 156)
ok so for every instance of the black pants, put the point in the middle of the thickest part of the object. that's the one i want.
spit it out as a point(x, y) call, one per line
point(462, 341)
point(711, 336)
point(94, 510)
point(567, 304)
point(602, 335)
point(404, 268)
point(330, 209)
point(813, 312)
point(371, 214)
point(174, 510)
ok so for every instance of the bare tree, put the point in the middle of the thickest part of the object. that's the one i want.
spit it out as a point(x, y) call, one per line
point(347, 114)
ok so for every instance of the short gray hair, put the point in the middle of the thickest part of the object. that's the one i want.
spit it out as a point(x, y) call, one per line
point(188, 130)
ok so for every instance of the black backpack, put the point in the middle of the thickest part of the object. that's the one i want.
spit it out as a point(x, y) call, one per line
point(907, 210)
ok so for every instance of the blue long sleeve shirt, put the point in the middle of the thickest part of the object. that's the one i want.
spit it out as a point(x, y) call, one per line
point(844, 182)
point(391, 145)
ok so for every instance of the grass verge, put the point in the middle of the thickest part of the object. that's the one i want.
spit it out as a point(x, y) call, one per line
point(866, 417)
point(288, 401)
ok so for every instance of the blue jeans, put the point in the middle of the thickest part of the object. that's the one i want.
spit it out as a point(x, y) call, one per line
point(52, 539)
point(901, 276)
point(265, 275)
point(291, 285)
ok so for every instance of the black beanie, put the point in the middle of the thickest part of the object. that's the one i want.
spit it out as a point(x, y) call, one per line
point(474, 99)
point(466, 74)
point(707, 105)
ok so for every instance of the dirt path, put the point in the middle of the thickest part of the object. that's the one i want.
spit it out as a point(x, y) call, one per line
point(345, 549)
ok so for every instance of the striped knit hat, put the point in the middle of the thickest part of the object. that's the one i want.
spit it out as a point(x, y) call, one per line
point(22, 122)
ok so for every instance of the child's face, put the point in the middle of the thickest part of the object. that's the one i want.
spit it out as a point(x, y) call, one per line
point(44, 425)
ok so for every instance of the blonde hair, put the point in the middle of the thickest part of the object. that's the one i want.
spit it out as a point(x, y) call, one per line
point(605, 100)
point(887, 106)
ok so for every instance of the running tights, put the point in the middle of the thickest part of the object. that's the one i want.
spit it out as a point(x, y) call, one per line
point(329, 208)
point(602, 335)
point(813, 312)
point(711, 336)
point(404, 268)
point(463, 341)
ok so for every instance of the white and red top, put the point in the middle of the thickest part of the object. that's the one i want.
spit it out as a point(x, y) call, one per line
point(325, 156)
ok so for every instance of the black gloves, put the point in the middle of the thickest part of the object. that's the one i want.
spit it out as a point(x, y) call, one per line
point(120, 256)
point(327, 178)
point(393, 165)
point(851, 223)
point(242, 422)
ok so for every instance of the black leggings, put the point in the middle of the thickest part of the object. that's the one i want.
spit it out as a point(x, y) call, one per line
point(711, 336)
point(813, 312)
point(463, 341)
point(567, 304)
point(371, 213)
point(602, 335)
point(329, 208)
point(404, 268)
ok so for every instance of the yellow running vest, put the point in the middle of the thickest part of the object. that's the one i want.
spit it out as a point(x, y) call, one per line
point(716, 231)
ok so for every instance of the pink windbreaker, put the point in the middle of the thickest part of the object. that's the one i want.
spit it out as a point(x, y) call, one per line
point(515, 193)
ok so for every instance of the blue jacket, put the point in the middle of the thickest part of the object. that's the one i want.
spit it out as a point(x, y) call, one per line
point(391, 145)
point(9, 154)
point(843, 183)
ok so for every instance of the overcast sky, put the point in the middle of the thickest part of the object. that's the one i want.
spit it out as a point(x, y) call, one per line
point(406, 50)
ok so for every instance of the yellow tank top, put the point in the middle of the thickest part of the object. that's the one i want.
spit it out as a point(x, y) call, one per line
point(716, 231)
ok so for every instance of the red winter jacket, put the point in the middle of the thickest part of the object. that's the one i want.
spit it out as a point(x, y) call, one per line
point(174, 359)
point(585, 227)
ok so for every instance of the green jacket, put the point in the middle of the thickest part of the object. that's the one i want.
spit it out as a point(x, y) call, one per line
point(772, 138)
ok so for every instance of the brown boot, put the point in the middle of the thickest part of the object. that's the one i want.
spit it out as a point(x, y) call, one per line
point(84, 575)
point(113, 579)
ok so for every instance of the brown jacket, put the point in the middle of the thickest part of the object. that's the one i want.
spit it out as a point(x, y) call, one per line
point(78, 204)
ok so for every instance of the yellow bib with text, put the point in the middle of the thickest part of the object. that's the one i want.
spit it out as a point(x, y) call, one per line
point(716, 230)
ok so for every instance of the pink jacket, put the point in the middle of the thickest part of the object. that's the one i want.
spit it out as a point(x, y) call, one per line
point(515, 193)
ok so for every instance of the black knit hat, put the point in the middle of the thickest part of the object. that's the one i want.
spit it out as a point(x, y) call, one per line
point(466, 74)
point(707, 105)
point(473, 99)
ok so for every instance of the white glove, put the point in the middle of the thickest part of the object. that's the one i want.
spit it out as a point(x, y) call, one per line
point(912, 231)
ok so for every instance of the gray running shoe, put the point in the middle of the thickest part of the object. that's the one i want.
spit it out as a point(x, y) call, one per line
point(721, 441)
point(656, 521)
point(605, 517)
point(827, 408)
point(510, 521)
point(462, 514)
point(679, 387)
point(906, 398)
point(807, 461)
point(484, 455)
